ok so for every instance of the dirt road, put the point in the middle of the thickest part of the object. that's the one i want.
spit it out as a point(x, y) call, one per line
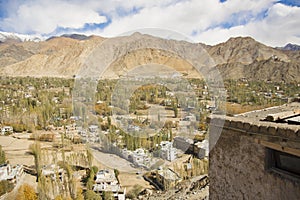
point(16, 150)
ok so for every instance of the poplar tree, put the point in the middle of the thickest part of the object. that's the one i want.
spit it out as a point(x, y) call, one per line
point(2, 156)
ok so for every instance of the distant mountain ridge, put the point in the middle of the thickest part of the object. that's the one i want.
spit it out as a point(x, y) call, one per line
point(63, 56)
point(290, 47)
point(6, 37)
point(72, 36)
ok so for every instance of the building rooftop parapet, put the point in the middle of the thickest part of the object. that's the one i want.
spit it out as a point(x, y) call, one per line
point(271, 124)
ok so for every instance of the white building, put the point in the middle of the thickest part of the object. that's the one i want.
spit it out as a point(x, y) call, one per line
point(93, 128)
point(201, 149)
point(13, 174)
point(168, 152)
point(6, 129)
point(190, 118)
point(106, 181)
point(51, 171)
point(141, 158)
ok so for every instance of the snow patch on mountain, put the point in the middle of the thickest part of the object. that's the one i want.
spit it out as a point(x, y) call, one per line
point(4, 36)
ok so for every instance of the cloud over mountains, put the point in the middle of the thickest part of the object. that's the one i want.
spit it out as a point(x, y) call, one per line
point(210, 21)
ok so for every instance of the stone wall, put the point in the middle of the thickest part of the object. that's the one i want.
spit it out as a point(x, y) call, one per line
point(237, 165)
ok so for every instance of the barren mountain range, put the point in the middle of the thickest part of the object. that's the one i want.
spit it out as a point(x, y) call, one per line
point(240, 57)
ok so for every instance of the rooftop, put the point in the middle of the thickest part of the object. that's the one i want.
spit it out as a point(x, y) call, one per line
point(276, 124)
point(278, 114)
point(169, 174)
point(105, 176)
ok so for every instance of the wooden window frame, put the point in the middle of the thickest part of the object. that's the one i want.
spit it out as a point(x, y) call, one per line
point(273, 164)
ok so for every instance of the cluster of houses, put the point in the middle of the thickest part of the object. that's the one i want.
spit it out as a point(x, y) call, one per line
point(275, 92)
point(142, 158)
point(105, 180)
point(168, 151)
point(79, 135)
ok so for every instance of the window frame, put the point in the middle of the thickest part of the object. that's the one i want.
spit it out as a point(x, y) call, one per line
point(272, 158)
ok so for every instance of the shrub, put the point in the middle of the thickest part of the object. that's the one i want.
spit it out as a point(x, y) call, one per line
point(5, 186)
point(134, 192)
point(26, 192)
point(107, 195)
point(19, 128)
point(91, 195)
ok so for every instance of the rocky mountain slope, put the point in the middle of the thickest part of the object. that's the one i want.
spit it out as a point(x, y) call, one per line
point(64, 56)
point(245, 57)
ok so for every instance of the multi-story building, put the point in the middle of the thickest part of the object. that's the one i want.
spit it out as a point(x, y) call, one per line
point(106, 181)
point(167, 151)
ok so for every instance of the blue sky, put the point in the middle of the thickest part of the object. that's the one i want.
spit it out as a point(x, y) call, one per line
point(272, 22)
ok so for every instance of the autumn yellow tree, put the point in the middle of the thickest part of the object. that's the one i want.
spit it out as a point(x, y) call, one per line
point(26, 192)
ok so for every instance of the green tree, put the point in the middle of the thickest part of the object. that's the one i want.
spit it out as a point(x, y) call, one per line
point(2, 156)
point(91, 195)
point(90, 180)
point(107, 195)
point(117, 173)
point(90, 156)
point(35, 150)
point(5, 186)
point(175, 109)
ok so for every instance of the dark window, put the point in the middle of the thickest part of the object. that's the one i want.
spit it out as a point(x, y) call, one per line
point(283, 163)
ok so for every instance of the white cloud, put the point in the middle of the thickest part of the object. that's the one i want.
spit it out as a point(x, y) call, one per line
point(207, 21)
point(189, 17)
point(182, 16)
point(279, 27)
point(45, 16)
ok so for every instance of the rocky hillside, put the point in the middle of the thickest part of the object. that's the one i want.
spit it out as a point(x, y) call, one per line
point(64, 56)
point(56, 57)
point(245, 57)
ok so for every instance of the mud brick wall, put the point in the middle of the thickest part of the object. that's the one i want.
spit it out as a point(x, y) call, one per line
point(237, 165)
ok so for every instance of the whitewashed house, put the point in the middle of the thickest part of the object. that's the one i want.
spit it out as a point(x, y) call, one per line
point(106, 181)
point(6, 130)
point(13, 174)
point(141, 158)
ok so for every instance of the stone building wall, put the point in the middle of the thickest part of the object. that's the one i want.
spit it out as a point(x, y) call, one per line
point(237, 164)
